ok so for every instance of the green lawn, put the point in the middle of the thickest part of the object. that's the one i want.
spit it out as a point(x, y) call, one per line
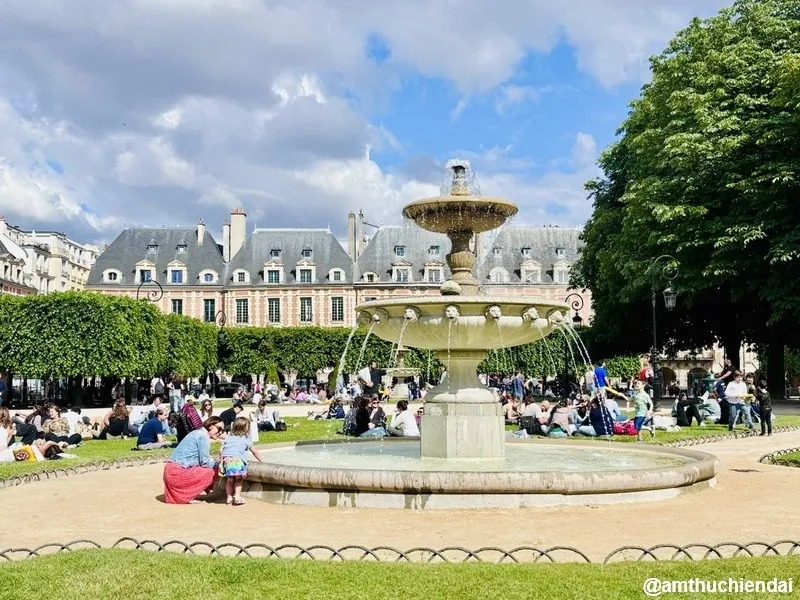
point(97, 450)
point(791, 459)
point(140, 575)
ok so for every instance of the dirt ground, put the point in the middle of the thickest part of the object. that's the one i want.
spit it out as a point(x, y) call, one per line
point(109, 505)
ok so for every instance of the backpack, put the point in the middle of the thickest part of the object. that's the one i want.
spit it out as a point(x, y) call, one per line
point(280, 426)
point(158, 388)
point(626, 428)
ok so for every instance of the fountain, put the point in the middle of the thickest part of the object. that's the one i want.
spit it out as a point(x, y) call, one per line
point(462, 459)
point(401, 372)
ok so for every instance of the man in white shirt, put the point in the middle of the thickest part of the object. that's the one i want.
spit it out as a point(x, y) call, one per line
point(73, 417)
point(404, 424)
point(735, 393)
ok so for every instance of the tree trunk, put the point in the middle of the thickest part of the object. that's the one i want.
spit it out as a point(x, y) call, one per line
point(776, 368)
point(733, 347)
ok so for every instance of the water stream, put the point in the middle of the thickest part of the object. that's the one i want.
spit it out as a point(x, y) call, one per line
point(549, 355)
point(364, 345)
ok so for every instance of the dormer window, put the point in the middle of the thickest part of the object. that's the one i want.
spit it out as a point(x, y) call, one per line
point(400, 251)
point(305, 275)
point(306, 253)
point(433, 251)
point(275, 253)
point(497, 251)
point(561, 252)
point(181, 248)
point(152, 247)
point(526, 252)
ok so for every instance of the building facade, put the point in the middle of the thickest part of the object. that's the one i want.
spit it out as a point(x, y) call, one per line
point(42, 261)
point(295, 277)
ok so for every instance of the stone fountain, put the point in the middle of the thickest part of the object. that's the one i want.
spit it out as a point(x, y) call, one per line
point(400, 372)
point(463, 459)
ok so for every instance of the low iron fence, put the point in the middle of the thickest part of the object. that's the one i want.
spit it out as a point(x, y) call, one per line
point(451, 554)
point(778, 458)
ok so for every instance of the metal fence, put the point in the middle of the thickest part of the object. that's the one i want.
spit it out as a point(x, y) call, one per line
point(777, 458)
point(451, 554)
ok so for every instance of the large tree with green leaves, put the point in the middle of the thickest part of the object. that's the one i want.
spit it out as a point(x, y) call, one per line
point(706, 169)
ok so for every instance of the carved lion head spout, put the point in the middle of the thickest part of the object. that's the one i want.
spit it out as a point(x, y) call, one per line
point(452, 312)
point(411, 313)
point(494, 312)
point(529, 315)
point(556, 318)
point(380, 316)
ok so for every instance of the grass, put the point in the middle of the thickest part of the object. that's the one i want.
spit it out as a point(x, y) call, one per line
point(97, 574)
point(96, 450)
point(790, 459)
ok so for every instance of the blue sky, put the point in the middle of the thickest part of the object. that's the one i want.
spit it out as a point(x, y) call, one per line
point(162, 112)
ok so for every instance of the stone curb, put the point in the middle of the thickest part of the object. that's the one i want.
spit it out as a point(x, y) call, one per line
point(708, 439)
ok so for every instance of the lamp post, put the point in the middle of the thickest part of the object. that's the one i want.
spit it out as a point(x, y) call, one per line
point(577, 321)
point(669, 271)
point(152, 295)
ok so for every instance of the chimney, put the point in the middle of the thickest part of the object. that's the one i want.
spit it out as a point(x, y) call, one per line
point(238, 230)
point(360, 234)
point(226, 241)
point(351, 235)
point(201, 231)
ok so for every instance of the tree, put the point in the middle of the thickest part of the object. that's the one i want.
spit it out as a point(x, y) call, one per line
point(192, 349)
point(706, 170)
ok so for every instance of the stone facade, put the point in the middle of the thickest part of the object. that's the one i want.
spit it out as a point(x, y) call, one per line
point(291, 277)
point(42, 261)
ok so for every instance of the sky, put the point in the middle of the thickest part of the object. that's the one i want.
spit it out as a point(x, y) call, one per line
point(162, 112)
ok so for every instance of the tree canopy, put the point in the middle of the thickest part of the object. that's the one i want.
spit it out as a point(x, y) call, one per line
point(705, 169)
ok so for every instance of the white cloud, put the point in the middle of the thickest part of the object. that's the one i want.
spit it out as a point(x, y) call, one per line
point(153, 105)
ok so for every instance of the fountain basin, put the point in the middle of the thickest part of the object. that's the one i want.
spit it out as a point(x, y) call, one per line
point(461, 322)
point(446, 214)
point(390, 474)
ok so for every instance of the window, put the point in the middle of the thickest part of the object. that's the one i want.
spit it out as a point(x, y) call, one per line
point(242, 311)
point(208, 277)
point(305, 275)
point(498, 275)
point(399, 250)
point(177, 307)
point(274, 310)
point(433, 251)
point(497, 251)
point(337, 275)
point(209, 310)
point(560, 252)
point(562, 276)
point(370, 277)
point(152, 248)
point(145, 275)
point(337, 309)
point(434, 275)
point(401, 275)
point(241, 277)
point(530, 276)
point(176, 276)
point(112, 276)
point(305, 310)
point(181, 248)
point(275, 253)
point(526, 252)
point(273, 276)
point(370, 298)
point(306, 253)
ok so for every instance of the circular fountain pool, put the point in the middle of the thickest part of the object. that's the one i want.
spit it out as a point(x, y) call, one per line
point(391, 474)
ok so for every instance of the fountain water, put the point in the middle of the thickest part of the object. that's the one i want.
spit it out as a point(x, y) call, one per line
point(461, 460)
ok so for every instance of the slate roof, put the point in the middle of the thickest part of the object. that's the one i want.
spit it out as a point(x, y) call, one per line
point(130, 247)
point(379, 254)
point(326, 254)
point(543, 242)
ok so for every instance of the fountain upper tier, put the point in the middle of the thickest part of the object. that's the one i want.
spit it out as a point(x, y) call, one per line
point(447, 214)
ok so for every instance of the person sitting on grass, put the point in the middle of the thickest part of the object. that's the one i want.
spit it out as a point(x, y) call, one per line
point(206, 408)
point(56, 428)
point(511, 411)
point(403, 422)
point(598, 422)
point(190, 470)
point(233, 459)
point(151, 436)
point(368, 415)
point(229, 415)
point(561, 423)
point(643, 405)
point(265, 419)
point(686, 410)
point(115, 423)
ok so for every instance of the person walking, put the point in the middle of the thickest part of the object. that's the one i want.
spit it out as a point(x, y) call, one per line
point(765, 406)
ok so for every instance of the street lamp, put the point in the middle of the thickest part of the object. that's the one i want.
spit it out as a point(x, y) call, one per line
point(669, 271)
point(153, 295)
point(577, 321)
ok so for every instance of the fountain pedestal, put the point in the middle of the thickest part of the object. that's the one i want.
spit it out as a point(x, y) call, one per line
point(463, 418)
